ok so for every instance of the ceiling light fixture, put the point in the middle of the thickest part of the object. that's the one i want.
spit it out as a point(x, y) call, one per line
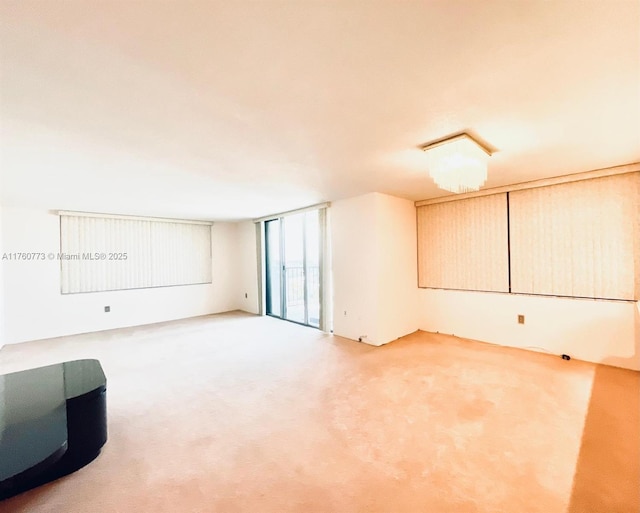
point(457, 163)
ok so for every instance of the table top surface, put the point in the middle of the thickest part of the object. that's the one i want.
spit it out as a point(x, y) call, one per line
point(33, 416)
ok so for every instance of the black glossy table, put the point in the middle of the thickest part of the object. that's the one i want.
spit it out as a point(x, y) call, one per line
point(53, 421)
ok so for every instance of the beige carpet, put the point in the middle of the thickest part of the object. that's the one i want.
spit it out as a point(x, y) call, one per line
point(237, 413)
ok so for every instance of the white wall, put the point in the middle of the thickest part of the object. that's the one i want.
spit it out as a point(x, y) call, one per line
point(222, 293)
point(374, 267)
point(596, 331)
point(354, 267)
point(35, 309)
point(636, 338)
point(397, 267)
point(246, 262)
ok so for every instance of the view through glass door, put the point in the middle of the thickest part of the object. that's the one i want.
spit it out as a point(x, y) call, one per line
point(293, 249)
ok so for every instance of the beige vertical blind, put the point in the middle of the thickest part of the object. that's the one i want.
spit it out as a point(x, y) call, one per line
point(577, 239)
point(117, 253)
point(464, 244)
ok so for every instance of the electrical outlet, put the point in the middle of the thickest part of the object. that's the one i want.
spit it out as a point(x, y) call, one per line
point(107, 309)
point(246, 295)
point(520, 319)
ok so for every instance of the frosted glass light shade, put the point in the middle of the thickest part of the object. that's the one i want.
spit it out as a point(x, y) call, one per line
point(458, 164)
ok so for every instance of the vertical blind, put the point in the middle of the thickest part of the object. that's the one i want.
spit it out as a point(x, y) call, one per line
point(577, 239)
point(114, 253)
point(463, 244)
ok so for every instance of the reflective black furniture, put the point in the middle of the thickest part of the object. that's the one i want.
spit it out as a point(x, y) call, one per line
point(53, 421)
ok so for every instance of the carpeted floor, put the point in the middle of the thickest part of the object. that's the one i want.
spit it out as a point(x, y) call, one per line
point(237, 413)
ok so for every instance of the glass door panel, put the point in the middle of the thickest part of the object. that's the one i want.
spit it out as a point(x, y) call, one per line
point(294, 277)
point(312, 267)
point(273, 251)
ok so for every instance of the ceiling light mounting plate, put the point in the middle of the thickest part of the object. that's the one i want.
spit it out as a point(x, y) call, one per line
point(455, 137)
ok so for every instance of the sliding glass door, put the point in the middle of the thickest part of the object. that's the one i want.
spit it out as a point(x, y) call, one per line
point(293, 277)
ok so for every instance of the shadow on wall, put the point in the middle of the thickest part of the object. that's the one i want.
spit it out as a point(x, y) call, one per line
point(607, 475)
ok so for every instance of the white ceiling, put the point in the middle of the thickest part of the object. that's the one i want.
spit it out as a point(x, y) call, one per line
point(230, 110)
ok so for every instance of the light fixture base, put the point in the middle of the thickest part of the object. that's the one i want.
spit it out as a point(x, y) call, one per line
point(451, 138)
